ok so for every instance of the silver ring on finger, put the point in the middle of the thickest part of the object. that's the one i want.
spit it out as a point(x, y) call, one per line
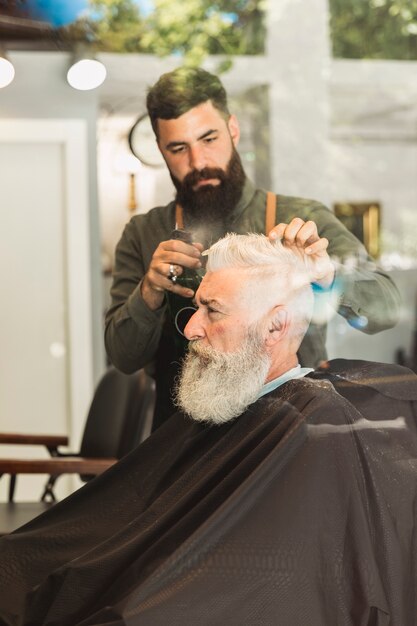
point(172, 273)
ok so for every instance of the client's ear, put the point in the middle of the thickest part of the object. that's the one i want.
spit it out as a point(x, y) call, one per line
point(278, 323)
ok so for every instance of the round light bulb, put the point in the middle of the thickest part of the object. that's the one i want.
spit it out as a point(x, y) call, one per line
point(86, 74)
point(6, 72)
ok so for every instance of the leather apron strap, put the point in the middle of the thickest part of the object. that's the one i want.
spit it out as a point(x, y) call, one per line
point(179, 219)
point(270, 212)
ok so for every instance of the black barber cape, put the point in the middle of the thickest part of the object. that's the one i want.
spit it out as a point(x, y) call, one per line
point(301, 512)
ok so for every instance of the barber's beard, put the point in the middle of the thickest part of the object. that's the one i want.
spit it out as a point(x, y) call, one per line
point(209, 207)
point(216, 387)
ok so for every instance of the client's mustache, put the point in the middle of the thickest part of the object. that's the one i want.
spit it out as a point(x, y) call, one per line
point(205, 353)
point(194, 177)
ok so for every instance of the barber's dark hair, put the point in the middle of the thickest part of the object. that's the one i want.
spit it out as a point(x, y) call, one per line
point(177, 92)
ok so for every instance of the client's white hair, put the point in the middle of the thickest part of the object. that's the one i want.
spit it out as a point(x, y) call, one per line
point(251, 251)
point(271, 266)
point(216, 386)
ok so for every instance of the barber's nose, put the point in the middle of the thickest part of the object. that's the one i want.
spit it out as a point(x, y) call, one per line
point(194, 328)
point(197, 158)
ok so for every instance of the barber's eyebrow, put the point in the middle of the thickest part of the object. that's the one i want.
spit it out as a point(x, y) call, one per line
point(175, 144)
point(207, 133)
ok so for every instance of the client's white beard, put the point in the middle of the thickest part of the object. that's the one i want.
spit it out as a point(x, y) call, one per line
point(217, 386)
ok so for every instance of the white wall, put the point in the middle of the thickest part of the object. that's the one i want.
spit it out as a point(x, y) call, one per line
point(383, 171)
point(373, 157)
point(40, 91)
point(298, 60)
point(153, 185)
point(45, 322)
point(40, 94)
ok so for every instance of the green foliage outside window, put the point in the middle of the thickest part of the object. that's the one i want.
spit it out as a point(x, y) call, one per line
point(191, 29)
point(374, 29)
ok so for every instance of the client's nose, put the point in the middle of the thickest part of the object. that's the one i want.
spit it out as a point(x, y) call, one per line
point(194, 328)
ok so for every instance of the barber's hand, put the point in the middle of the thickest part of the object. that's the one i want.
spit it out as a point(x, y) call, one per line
point(156, 281)
point(303, 238)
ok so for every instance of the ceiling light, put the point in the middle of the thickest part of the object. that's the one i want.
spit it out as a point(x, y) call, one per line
point(86, 74)
point(6, 71)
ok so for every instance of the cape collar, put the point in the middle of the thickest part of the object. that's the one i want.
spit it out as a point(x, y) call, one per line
point(295, 372)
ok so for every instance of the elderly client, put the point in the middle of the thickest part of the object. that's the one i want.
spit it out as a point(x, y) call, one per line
point(277, 495)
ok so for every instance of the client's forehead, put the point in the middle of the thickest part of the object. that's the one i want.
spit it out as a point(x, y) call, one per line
point(233, 291)
point(226, 287)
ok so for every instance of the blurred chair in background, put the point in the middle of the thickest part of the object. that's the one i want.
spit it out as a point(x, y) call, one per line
point(120, 417)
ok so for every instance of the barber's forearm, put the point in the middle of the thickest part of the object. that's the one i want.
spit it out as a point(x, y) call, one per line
point(132, 334)
point(152, 296)
point(369, 297)
point(127, 350)
point(363, 291)
point(118, 353)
